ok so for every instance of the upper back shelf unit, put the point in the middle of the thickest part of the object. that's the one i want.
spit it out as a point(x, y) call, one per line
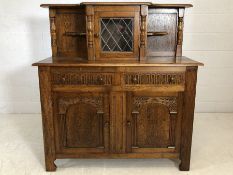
point(116, 31)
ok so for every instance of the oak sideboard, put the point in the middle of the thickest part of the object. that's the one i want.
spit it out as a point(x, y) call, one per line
point(117, 84)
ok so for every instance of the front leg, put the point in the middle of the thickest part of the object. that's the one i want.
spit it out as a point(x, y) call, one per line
point(49, 164)
point(187, 117)
point(47, 117)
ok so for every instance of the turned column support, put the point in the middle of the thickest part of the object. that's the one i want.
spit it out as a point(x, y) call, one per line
point(90, 32)
point(143, 32)
point(52, 18)
point(180, 32)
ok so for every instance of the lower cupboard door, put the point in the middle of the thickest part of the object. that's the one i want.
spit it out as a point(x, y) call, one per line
point(81, 122)
point(153, 122)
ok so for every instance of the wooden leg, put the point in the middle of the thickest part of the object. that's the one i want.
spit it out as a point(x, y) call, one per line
point(50, 165)
point(187, 118)
point(47, 117)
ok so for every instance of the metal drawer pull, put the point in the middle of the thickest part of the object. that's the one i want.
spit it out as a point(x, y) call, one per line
point(135, 80)
point(101, 80)
point(75, 34)
point(157, 33)
point(135, 112)
point(171, 147)
point(100, 112)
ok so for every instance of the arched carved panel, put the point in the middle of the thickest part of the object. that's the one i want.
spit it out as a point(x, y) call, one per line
point(153, 121)
point(80, 120)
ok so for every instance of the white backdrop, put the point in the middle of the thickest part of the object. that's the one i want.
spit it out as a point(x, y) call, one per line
point(25, 38)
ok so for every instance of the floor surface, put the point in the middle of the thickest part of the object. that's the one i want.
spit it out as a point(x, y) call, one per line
point(21, 151)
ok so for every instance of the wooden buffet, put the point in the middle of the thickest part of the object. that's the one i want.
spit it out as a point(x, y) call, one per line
point(117, 85)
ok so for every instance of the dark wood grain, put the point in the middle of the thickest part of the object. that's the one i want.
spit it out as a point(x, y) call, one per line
point(187, 118)
point(162, 20)
point(117, 122)
point(70, 21)
point(47, 117)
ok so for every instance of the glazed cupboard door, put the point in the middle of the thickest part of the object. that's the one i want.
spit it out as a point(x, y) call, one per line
point(81, 122)
point(117, 32)
point(153, 122)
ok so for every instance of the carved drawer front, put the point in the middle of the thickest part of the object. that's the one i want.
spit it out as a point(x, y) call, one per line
point(89, 78)
point(157, 78)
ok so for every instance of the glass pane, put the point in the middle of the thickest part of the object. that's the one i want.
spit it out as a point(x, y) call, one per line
point(116, 34)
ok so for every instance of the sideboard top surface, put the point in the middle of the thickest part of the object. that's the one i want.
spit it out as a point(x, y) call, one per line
point(117, 3)
point(150, 62)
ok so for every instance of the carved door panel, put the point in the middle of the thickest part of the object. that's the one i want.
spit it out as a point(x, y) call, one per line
point(153, 122)
point(117, 33)
point(82, 122)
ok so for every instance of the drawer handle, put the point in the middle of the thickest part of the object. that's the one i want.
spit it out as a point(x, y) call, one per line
point(101, 80)
point(172, 80)
point(157, 33)
point(100, 112)
point(106, 124)
point(128, 123)
point(135, 112)
point(135, 80)
point(74, 34)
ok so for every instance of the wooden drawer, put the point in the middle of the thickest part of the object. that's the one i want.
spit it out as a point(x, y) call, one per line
point(82, 78)
point(155, 78)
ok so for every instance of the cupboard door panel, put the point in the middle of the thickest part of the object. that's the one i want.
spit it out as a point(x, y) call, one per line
point(155, 119)
point(82, 122)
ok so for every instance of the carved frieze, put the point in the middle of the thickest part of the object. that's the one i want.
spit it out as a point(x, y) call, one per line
point(82, 78)
point(154, 78)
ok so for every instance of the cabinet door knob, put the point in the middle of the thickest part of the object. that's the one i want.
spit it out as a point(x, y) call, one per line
point(135, 80)
point(128, 123)
point(101, 80)
point(172, 80)
point(106, 124)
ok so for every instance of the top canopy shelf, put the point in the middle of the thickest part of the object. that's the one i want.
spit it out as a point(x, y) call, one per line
point(117, 4)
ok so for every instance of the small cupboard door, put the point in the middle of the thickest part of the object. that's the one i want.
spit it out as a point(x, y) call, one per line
point(82, 122)
point(153, 121)
point(117, 33)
